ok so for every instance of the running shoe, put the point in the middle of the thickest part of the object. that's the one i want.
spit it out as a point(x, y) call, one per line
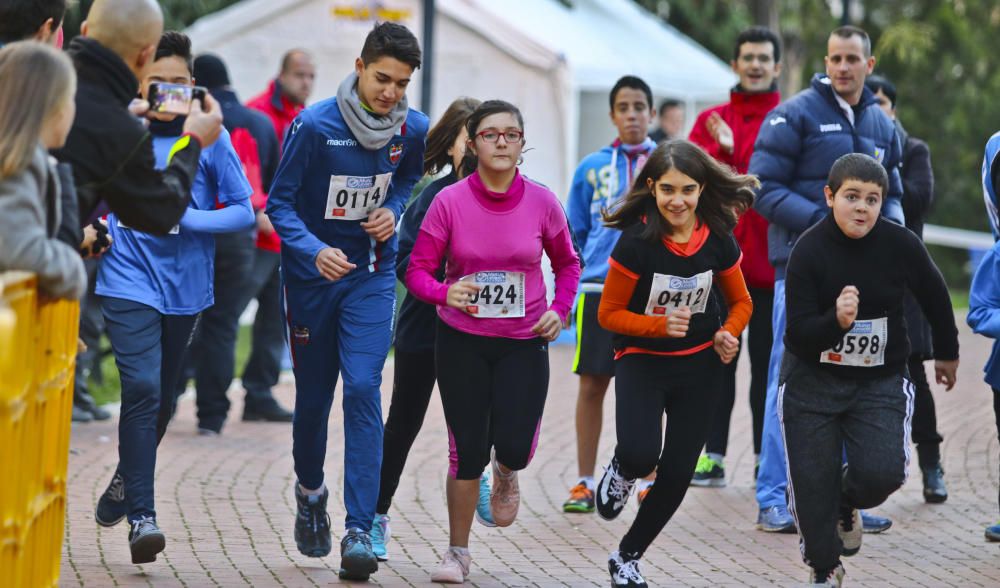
point(709, 473)
point(111, 508)
point(312, 524)
point(775, 519)
point(613, 492)
point(483, 514)
point(453, 569)
point(873, 525)
point(505, 496)
point(145, 540)
point(625, 571)
point(641, 494)
point(581, 499)
point(935, 492)
point(357, 561)
point(993, 532)
point(849, 528)
point(380, 536)
point(832, 577)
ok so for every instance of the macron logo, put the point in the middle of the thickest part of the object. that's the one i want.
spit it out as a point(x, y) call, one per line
point(341, 143)
point(829, 128)
point(778, 120)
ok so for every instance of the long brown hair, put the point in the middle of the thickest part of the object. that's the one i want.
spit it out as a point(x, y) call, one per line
point(442, 137)
point(35, 81)
point(725, 194)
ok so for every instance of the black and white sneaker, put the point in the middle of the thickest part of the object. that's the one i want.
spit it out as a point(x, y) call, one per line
point(850, 529)
point(111, 508)
point(613, 492)
point(145, 540)
point(832, 578)
point(312, 524)
point(625, 571)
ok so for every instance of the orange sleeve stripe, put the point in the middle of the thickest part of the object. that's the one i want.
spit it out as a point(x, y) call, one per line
point(614, 315)
point(735, 267)
point(613, 263)
point(734, 289)
point(681, 353)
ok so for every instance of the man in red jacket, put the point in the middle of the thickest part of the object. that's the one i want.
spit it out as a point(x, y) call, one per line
point(727, 132)
point(285, 97)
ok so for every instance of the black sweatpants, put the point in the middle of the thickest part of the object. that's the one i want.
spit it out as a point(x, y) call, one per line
point(493, 391)
point(925, 433)
point(647, 386)
point(760, 337)
point(822, 417)
point(996, 413)
point(412, 384)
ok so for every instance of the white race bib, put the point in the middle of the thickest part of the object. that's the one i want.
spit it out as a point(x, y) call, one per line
point(500, 295)
point(355, 197)
point(173, 231)
point(862, 346)
point(668, 293)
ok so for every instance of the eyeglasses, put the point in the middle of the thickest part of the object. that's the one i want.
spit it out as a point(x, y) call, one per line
point(493, 135)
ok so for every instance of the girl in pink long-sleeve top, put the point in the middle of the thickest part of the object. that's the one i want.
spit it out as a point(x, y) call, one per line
point(494, 321)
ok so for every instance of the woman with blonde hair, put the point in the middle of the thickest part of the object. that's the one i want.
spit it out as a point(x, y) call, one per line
point(37, 87)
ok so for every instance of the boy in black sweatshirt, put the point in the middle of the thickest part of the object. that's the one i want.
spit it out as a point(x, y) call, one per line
point(844, 386)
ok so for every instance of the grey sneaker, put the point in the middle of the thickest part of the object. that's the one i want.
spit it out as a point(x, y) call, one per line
point(850, 529)
point(145, 540)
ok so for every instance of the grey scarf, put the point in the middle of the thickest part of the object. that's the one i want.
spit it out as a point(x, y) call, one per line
point(373, 132)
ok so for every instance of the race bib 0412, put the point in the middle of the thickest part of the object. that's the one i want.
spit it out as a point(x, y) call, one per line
point(355, 197)
point(668, 293)
point(500, 295)
point(863, 346)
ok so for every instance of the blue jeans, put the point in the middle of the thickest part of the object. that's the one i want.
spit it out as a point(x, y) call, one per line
point(772, 477)
point(149, 351)
point(341, 328)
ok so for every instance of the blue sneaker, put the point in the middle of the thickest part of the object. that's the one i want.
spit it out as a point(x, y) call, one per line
point(873, 525)
point(357, 561)
point(993, 533)
point(483, 514)
point(380, 536)
point(775, 519)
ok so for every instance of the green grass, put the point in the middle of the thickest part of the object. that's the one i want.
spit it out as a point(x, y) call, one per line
point(110, 389)
point(959, 299)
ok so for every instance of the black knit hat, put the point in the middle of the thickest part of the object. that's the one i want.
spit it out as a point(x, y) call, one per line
point(210, 71)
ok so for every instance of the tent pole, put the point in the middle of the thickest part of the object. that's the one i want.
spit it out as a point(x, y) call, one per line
point(427, 67)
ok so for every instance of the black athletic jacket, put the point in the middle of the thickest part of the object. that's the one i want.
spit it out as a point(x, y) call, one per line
point(111, 152)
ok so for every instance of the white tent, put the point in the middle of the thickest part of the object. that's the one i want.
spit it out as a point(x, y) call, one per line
point(556, 63)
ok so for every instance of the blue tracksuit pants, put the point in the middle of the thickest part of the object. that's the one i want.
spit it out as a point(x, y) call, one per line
point(772, 477)
point(341, 328)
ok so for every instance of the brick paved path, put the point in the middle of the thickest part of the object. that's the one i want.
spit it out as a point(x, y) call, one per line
point(227, 508)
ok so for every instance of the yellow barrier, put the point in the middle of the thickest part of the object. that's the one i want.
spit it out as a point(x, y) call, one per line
point(37, 358)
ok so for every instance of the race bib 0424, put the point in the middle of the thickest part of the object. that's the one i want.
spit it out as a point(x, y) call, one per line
point(355, 197)
point(862, 346)
point(668, 293)
point(500, 295)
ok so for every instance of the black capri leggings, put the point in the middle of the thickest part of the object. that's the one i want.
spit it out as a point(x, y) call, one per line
point(493, 391)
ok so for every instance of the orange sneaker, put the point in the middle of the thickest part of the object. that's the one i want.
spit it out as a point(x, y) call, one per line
point(581, 499)
point(641, 495)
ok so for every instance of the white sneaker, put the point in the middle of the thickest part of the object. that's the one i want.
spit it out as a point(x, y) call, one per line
point(833, 578)
point(453, 569)
point(625, 572)
point(850, 529)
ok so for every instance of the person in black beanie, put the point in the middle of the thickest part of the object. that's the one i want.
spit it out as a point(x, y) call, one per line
point(242, 272)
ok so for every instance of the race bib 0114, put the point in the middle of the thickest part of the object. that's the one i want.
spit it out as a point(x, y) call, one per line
point(355, 197)
point(500, 295)
point(863, 346)
point(668, 293)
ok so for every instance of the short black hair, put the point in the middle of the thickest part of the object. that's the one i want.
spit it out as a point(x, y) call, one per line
point(670, 103)
point(880, 82)
point(175, 44)
point(758, 35)
point(20, 19)
point(857, 166)
point(388, 39)
point(848, 31)
point(631, 82)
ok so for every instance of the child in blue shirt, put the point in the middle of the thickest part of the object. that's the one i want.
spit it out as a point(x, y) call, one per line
point(153, 288)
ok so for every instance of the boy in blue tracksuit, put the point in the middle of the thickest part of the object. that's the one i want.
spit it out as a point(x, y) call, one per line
point(152, 290)
point(602, 178)
point(348, 167)
point(984, 295)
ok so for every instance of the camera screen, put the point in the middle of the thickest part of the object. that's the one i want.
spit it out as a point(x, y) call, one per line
point(171, 98)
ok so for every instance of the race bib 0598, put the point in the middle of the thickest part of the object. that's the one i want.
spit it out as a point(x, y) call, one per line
point(862, 346)
point(668, 293)
point(500, 295)
point(355, 197)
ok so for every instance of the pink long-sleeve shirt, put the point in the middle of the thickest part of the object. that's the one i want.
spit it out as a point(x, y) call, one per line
point(481, 231)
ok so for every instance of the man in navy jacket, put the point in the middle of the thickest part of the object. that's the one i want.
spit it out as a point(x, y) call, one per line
point(796, 146)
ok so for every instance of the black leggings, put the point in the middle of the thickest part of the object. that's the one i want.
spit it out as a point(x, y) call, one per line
point(412, 384)
point(759, 338)
point(646, 386)
point(493, 391)
point(925, 433)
